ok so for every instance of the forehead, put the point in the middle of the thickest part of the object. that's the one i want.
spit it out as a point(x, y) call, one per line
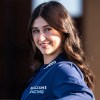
point(38, 22)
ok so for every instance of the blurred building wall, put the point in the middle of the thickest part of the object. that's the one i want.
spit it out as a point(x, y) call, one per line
point(15, 51)
point(92, 39)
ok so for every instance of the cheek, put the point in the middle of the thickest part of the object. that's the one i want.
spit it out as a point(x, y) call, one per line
point(35, 42)
point(57, 41)
point(34, 39)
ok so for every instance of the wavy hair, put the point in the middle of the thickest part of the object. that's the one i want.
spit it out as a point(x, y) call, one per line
point(56, 15)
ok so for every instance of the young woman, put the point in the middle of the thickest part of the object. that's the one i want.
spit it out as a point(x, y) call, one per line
point(62, 73)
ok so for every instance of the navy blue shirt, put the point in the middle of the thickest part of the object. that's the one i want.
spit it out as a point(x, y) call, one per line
point(58, 80)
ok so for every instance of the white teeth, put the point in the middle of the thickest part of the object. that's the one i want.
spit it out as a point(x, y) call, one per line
point(44, 43)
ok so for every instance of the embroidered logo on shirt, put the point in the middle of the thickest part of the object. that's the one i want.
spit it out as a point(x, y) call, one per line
point(38, 89)
point(52, 63)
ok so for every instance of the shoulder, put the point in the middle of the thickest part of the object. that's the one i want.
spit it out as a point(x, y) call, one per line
point(68, 69)
point(68, 82)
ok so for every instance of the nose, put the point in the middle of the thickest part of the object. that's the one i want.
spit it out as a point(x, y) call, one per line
point(42, 37)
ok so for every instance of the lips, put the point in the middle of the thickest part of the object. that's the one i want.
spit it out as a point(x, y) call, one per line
point(44, 45)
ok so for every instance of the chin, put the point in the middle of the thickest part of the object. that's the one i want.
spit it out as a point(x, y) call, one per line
point(45, 53)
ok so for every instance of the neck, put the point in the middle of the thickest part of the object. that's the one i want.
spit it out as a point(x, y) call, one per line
point(50, 58)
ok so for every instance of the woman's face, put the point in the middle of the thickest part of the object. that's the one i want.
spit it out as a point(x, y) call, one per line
point(46, 38)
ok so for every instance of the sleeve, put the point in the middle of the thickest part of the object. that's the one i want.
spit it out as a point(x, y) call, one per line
point(68, 84)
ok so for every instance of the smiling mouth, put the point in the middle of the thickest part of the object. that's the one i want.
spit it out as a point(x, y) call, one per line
point(44, 45)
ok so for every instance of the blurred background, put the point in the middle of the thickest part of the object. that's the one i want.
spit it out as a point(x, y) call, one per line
point(15, 52)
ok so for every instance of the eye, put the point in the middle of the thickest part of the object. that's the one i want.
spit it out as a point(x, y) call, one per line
point(35, 31)
point(47, 29)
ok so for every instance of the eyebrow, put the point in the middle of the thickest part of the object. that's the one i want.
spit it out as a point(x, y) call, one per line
point(42, 26)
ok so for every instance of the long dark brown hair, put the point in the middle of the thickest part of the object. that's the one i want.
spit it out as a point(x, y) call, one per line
point(56, 15)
